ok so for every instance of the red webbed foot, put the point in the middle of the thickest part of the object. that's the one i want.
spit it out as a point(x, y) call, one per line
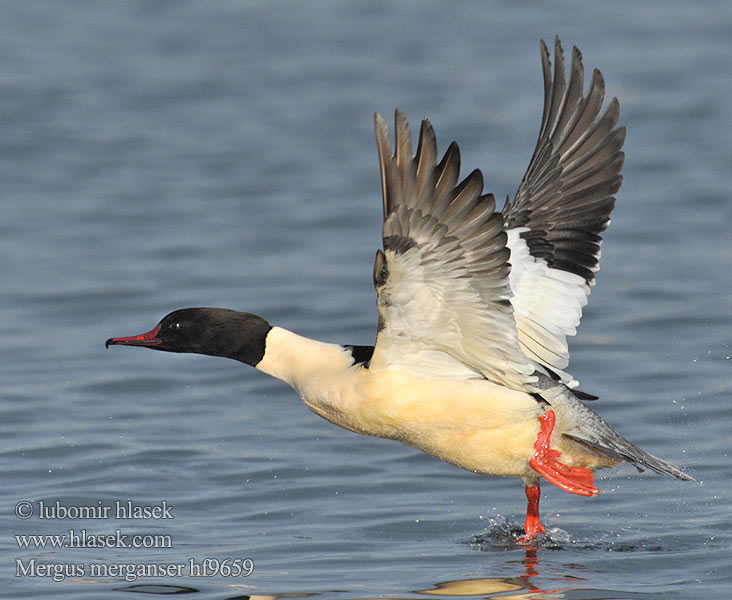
point(575, 480)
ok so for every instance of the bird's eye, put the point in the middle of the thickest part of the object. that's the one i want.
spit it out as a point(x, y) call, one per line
point(175, 326)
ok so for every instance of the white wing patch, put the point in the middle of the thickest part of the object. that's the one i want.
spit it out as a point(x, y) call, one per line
point(435, 323)
point(547, 305)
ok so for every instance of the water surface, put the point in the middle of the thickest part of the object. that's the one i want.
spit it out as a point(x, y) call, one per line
point(161, 155)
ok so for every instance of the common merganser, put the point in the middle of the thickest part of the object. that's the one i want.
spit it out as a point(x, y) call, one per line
point(475, 307)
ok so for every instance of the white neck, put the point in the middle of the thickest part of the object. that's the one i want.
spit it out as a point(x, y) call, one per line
point(296, 360)
point(322, 374)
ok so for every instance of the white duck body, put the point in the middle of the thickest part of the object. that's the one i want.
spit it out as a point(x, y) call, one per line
point(473, 423)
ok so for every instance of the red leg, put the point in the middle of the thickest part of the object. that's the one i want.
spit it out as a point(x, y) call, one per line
point(575, 480)
point(532, 526)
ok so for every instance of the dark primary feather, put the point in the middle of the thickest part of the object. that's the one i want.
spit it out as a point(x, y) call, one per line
point(566, 195)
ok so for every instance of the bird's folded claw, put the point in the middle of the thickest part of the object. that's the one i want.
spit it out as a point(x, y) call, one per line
point(575, 480)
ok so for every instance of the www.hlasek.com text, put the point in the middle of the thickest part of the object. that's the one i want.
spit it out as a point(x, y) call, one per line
point(82, 539)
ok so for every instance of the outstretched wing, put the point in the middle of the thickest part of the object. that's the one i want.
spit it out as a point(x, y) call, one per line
point(442, 278)
point(561, 207)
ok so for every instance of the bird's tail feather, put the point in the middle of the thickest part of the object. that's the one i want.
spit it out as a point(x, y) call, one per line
point(618, 447)
point(593, 431)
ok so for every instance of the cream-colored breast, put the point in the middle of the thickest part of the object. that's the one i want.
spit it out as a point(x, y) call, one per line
point(472, 423)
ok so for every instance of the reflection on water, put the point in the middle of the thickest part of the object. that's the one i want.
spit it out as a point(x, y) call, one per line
point(494, 585)
point(167, 590)
point(475, 587)
point(500, 587)
point(520, 582)
point(518, 587)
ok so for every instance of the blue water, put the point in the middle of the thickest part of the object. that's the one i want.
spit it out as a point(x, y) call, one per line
point(170, 154)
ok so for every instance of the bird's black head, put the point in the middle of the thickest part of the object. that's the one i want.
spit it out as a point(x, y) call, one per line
point(211, 331)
